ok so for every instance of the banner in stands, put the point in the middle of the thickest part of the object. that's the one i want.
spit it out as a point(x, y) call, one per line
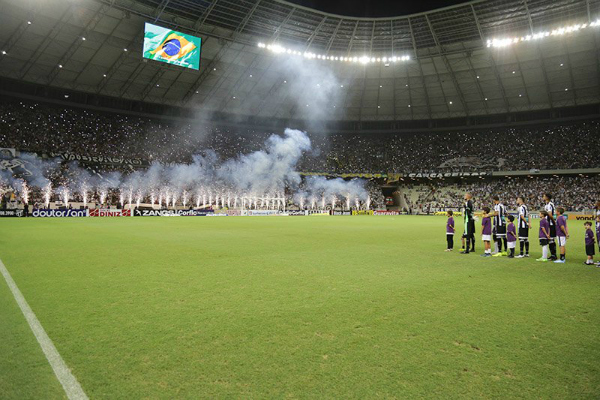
point(448, 174)
point(393, 177)
point(365, 176)
point(582, 217)
point(136, 162)
point(362, 212)
point(171, 213)
point(386, 213)
point(59, 213)
point(11, 161)
point(11, 213)
point(97, 212)
point(7, 152)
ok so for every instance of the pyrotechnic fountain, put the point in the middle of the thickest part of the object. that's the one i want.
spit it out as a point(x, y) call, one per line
point(47, 195)
point(65, 194)
point(25, 192)
point(84, 194)
point(239, 182)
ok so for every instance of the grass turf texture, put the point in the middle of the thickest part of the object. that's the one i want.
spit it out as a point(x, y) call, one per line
point(313, 307)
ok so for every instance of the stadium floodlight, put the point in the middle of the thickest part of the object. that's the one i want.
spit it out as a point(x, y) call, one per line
point(3, 52)
point(508, 41)
point(278, 49)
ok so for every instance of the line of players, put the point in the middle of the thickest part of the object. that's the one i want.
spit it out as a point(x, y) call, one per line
point(553, 231)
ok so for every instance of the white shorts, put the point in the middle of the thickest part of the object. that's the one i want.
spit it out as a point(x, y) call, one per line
point(562, 241)
point(512, 245)
point(486, 238)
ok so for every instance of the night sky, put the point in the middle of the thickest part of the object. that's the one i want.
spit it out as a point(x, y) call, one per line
point(375, 8)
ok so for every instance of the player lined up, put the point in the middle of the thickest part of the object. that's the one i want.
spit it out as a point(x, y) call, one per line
point(553, 231)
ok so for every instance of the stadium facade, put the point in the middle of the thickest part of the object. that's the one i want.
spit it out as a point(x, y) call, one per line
point(91, 51)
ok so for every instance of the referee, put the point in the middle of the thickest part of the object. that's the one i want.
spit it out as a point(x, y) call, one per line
point(469, 232)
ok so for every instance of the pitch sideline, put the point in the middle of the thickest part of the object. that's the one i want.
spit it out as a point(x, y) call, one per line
point(72, 388)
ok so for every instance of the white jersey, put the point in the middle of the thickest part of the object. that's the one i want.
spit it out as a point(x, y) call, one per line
point(523, 216)
point(549, 207)
point(500, 219)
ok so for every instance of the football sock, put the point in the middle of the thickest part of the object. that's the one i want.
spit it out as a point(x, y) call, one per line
point(553, 249)
point(512, 252)
point(562, 256)
point(545, 251)
point(505, 244)
point(527, 247)
point(522, 245)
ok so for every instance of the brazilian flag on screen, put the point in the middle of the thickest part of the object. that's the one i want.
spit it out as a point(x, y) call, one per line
point(172, 47)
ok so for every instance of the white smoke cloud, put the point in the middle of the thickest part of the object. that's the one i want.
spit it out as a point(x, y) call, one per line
point(269, 172)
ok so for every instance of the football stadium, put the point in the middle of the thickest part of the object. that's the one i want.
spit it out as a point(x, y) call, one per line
point(408, 197)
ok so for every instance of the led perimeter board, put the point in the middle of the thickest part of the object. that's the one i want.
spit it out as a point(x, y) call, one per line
point(172, 47)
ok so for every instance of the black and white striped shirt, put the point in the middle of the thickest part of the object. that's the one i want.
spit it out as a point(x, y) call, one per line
point(500, 219)
point(552, 211)
point(523, 215)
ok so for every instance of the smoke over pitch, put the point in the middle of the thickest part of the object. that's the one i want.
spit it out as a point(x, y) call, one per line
point(249, 180)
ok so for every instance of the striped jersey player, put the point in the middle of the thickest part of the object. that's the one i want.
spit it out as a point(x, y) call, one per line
point(551, 218)
point(500, 226)
point(524, 224)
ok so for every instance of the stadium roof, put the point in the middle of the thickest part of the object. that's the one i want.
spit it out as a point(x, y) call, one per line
point(95, 46)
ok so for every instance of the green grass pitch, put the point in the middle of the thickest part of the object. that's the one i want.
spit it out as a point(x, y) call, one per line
point(275, 307)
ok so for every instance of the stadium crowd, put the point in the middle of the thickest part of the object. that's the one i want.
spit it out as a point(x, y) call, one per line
point(47, 128)
point(32, 127)
point(575, 193)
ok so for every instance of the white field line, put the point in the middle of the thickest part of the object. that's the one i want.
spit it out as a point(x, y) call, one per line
point(69, 383)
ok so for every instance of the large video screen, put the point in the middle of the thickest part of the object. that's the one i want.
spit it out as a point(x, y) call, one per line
point(172, 47)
